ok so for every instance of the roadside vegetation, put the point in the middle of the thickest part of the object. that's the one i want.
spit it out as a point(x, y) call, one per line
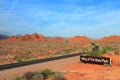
point(41, 75)
point(15, 52)
point(101, 51)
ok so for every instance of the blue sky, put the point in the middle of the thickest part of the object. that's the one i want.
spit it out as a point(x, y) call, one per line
point(66, 18)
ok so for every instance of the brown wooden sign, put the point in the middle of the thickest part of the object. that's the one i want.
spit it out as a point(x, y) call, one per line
point(95, 60)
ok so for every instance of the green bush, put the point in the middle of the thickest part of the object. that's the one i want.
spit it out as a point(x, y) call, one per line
point(58, 76)
point(32, 76)
point(105, 49)
point(94, 53)
point(37, 76)
point(47, 72)
point(117, 52)
point(41, 75)
point(85, 50)
point(19, 60)
point(119, 63)
point(27, 76)
point(18, 78)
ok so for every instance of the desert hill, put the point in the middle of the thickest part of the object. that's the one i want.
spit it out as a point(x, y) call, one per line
point(32, 46)
point(27, 37)
point(3, 36)
point(41, 38)
point(110, 38)
point(79, 39)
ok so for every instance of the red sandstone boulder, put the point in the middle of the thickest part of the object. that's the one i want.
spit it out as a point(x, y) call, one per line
point(79, 39)
point(38, 37)
point(35, 37)
point(110, 39)
point(50, 39)
point(26, 37)
point(12, 38)
point(58, 39)
point(42, 37)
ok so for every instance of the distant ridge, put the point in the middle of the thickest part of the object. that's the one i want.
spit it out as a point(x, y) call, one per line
point(3, 36)
point(40, 38)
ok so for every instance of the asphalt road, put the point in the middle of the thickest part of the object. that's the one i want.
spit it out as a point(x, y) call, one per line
point(55, 65)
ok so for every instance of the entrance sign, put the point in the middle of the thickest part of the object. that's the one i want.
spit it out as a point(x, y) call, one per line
point(95, 60)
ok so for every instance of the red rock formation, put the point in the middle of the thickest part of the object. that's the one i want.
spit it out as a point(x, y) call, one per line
point(79, 39)
point(34, 37)
point(12, 38)
point(42, 37)
point(110, 39)
point(50, 39)
point(58, 39)
point(26, 37)
point(38, 37)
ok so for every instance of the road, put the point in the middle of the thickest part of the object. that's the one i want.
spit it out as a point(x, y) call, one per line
point(55, 65)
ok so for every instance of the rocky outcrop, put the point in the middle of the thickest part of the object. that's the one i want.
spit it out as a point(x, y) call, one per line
point(33, 37)
point(42, 37)
point(26, 37)
point(79, 39)
point(59, 39)
point(12, 38)
point(110, 39)
point(55, 39)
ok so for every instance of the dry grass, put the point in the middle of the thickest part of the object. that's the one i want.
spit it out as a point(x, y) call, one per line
point(11, 52)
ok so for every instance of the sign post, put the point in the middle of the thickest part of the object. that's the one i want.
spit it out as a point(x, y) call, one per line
point(95, 60)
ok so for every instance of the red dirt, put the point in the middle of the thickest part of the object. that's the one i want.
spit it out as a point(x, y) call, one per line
point(82, 71)
point(55, 65)
point(115, 59)
point(76, 71)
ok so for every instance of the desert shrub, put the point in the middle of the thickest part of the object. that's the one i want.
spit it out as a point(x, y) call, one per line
point(32, 76)
point(47, 72)
point(37, 76)
point(94, 53)
point(117, 52)
point(66, 41)
point(85, 50)
point(19, 60)
point(58, 76)
point(27, 76)
point(18, 78)
point(105, 49)
point(119, 63)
